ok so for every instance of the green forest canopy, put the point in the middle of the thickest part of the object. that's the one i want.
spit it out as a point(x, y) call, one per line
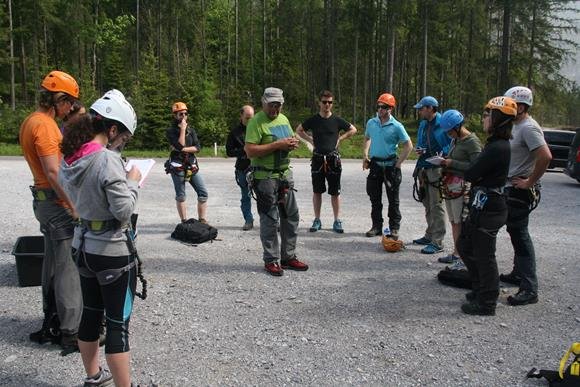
point(216, 55)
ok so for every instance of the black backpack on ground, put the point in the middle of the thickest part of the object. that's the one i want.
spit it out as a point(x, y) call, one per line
point(194, 232)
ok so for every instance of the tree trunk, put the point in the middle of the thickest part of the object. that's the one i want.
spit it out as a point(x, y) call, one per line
point(264, 50)
point(425, 35)
point(23, 69)
point(138, 24)
point(12, 86)
point(532, 46)
point(236, 61)
point(505, 47)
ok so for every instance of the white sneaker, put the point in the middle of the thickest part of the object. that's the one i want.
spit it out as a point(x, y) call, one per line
point(102, 379)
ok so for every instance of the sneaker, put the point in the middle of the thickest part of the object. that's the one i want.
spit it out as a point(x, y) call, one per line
point(274, 269)
point(448, 259)
point(294, 264)
point(102, 379)
point(316, 225)
point(395, 234)
point(374, 232)
point(248, 226)
point(523, 297)
point(431, 248)
point(458, 265)
point(421, 241)
point(69, 344)
point(337, 226)
point(477, 309)
point(203, 221)
point(511, 278)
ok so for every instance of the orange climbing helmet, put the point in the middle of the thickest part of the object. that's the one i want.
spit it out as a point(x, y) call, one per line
point(387, 99)
point(178, 106)
point(504, 104)
point(59, 81)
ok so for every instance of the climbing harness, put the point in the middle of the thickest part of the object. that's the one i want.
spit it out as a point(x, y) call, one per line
point(106, 277)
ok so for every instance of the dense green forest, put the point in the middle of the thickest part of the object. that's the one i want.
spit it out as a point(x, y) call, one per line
point(216, 55)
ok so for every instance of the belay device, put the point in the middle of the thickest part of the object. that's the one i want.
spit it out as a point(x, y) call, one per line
point(565, 377)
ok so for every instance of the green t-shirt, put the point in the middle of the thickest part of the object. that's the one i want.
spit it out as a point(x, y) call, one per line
point(262, 130)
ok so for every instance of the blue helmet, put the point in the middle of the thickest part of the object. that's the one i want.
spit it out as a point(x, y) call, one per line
point(426, 101)
point(451, 119)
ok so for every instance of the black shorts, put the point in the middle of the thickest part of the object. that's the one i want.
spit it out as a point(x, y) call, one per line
point(323, 169)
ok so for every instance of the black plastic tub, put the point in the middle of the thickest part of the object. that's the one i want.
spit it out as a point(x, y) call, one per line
point(29, 253)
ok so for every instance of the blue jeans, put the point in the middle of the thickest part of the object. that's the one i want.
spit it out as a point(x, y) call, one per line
point(196, 182)
point(524, 254)
point(246, 200)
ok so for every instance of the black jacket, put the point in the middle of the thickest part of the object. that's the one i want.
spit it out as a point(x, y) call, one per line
point(235, 147)
point(172, 135)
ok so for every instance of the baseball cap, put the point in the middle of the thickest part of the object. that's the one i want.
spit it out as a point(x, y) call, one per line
point(273, 94)
point(426, 101)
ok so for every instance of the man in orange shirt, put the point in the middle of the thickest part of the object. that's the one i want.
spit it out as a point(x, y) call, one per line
point(40, 139)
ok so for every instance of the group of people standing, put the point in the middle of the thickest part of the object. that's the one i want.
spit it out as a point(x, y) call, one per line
point(83, 197)
point(481, 188)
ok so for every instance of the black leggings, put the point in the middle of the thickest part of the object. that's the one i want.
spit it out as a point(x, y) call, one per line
point(114, 299)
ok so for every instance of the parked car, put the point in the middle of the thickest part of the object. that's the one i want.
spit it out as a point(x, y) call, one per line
point(573, 166)
point(559, 143)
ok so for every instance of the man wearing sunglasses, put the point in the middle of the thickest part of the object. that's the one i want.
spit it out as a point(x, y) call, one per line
point(383, 134)
point(40, 139)
point(325, 136)
point(182, 163)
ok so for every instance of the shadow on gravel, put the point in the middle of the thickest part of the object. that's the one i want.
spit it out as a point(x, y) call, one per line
point(30, 379)
point(16, 330)
point(9, 277)
point(193, 265)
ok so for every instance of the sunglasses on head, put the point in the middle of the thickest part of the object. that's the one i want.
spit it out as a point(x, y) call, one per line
point(327, 102)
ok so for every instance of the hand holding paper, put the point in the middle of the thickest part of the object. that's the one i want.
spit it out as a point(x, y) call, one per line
point(435, 160)
point(144, 167)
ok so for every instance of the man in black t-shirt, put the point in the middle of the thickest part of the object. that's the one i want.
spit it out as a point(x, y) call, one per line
point(325, 136)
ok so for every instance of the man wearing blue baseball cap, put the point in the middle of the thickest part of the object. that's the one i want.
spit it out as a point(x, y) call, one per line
point(430, 142)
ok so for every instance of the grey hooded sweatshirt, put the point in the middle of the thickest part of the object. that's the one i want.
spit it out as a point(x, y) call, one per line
point(98, 187)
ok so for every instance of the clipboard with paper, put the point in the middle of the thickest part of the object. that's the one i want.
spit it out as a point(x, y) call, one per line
point(144, 167)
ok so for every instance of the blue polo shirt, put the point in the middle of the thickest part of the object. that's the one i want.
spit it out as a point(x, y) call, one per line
point(385, 138)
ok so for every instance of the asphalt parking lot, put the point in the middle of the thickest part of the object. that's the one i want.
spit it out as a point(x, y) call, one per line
point(358, 316)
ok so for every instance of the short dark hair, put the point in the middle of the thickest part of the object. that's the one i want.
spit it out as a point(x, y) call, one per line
point(325, 93)
point(501, 124)
point(46, 99)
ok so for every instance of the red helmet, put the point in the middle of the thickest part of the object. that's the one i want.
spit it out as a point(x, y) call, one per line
point(387, 99)
point(59, 81)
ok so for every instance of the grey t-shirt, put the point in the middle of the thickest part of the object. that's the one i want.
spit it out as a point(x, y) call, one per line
point(527, 136)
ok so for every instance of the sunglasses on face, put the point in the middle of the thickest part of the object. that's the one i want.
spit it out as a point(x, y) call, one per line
point(182, 114)
point(385, 107)
point(274, 105)
point(327, 102)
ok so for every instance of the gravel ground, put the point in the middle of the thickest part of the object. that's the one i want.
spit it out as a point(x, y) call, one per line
point(359, 316)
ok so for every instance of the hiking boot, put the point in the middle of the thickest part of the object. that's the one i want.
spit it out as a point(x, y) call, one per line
point(523, 297)
point(471, 296)
point(477, 309)
point(448, 259)
point(45, 336)
point(421, 241)
point(248, 226)
point(274, 269)
point(337, 226)
point(102, 379)
point(431, 248)
point(316, 225)
point(511, 278)
point(374, 232)
point(203, 221)
point(69, 344)
point(294, 264)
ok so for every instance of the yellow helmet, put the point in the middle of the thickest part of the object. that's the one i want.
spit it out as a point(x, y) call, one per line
point(504, 104)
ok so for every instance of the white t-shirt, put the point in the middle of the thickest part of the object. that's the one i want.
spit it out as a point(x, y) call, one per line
point(527, 136)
